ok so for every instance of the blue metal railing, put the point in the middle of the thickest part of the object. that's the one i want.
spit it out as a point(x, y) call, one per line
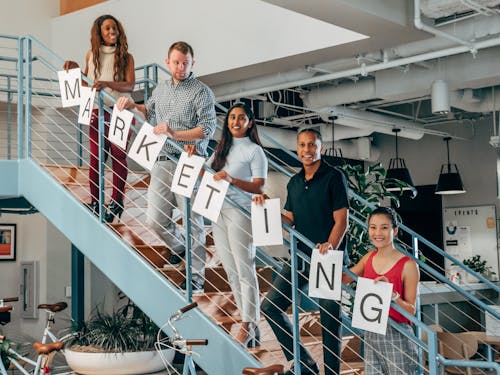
point(25, 75)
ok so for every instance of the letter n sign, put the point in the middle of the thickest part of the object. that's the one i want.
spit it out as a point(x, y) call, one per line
point(325, 276)
point(371, 305)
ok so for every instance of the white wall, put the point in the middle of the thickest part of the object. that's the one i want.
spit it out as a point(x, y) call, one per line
point(37, 240)
point(22, 17)
point(225, 34)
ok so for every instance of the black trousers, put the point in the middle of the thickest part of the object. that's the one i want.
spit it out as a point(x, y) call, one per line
point(277, 302)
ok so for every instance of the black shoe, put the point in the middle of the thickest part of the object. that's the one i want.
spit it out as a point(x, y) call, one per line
point(305, 369)
point(115, 208)
point(175, 259)
point(93, 207)
point(196, 287)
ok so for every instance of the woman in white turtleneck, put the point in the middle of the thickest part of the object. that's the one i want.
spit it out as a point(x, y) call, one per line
point(111, 67)
point(240, 159)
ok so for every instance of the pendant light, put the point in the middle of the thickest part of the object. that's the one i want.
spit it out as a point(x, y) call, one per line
point(397, 171)
point(332, 155)
point(449, 178)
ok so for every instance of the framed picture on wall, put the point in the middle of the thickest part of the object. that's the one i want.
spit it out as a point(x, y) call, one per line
point(8, 242)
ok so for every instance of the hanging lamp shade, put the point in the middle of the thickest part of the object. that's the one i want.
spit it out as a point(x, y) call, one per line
point(397, 171)
point(449, 181)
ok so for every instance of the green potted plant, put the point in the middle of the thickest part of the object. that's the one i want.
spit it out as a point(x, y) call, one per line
point(477, 264)
point(121, 342)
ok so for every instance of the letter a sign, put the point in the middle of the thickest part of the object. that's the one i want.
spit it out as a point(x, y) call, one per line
point(371, 305)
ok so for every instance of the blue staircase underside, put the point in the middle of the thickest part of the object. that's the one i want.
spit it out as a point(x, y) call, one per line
point(152, 292)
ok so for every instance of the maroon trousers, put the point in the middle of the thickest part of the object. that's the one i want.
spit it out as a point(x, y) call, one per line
point(118, 158)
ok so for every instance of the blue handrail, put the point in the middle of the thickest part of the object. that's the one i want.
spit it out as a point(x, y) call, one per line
point(25, 70)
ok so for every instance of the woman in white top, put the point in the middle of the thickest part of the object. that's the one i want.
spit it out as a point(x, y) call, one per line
point(111, 67)
point(240, 159)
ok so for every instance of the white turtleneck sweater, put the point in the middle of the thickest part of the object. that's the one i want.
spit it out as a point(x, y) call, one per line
point(107, 60)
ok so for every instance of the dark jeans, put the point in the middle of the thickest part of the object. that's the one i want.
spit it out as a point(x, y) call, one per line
point(277, 302)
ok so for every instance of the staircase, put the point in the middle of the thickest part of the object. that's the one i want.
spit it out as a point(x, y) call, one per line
point(50, 172)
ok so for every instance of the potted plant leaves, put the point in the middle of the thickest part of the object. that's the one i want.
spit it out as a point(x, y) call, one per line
point(477, 264)
point(121, 342)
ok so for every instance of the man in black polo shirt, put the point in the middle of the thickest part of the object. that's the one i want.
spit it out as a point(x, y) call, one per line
point(317, 206)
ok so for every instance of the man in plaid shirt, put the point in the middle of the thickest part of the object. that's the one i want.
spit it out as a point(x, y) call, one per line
point(183, 108)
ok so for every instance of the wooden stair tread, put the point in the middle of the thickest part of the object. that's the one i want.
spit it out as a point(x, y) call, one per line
point(216, 277)
point(157, 255)
point(75, 175)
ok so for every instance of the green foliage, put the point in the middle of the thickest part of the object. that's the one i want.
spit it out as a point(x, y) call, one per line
point(4, 347)
point(369, 185)
point(476, 263)
point(125, 330)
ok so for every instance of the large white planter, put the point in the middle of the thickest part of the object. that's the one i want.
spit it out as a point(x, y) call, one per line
point(132, 363)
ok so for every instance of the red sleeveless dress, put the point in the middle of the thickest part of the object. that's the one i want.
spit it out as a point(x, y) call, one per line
point(394, 277)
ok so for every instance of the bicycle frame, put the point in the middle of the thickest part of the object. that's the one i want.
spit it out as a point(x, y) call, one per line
point(179, 343)
point(14, 358)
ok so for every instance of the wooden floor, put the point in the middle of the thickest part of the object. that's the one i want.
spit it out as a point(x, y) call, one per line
point(217, 301)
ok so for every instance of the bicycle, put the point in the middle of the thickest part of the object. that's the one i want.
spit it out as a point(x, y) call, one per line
point(182, 345)
point(51, 310)
point(179, 343)
point(44, 351)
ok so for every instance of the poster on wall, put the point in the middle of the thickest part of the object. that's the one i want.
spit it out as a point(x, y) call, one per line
point(469, 231)
point(8, 242)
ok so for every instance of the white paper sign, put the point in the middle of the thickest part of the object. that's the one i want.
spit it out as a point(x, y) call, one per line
point(86, 105)
point(210, 197)
point(146, 146)
point(371, 305)
point(325, 275)
point(266, 223)
point(70, 83)
point(186, 174)
point(119, 127)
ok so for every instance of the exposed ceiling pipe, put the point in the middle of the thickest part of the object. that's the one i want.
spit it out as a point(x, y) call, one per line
point(349, 93)
point(359, 148)
point(380, 123)
point(277, 83)
point(444, 8)
point(422, 26)
point(240, 89)
point(479, 28)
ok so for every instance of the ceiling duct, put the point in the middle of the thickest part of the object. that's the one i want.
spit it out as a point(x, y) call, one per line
point(358, 149)
point(485, 100)
point(444, 8)
point(379, 123)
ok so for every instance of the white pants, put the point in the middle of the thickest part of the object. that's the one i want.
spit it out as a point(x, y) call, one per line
point(233, 242)
point(161, 203)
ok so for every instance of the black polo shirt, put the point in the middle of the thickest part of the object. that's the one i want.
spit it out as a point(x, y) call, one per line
point(313, 202)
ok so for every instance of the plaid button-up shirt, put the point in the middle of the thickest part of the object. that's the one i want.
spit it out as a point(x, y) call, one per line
point(184, 106)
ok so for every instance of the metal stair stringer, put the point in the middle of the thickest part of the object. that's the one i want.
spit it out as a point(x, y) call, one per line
point(128, 270)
